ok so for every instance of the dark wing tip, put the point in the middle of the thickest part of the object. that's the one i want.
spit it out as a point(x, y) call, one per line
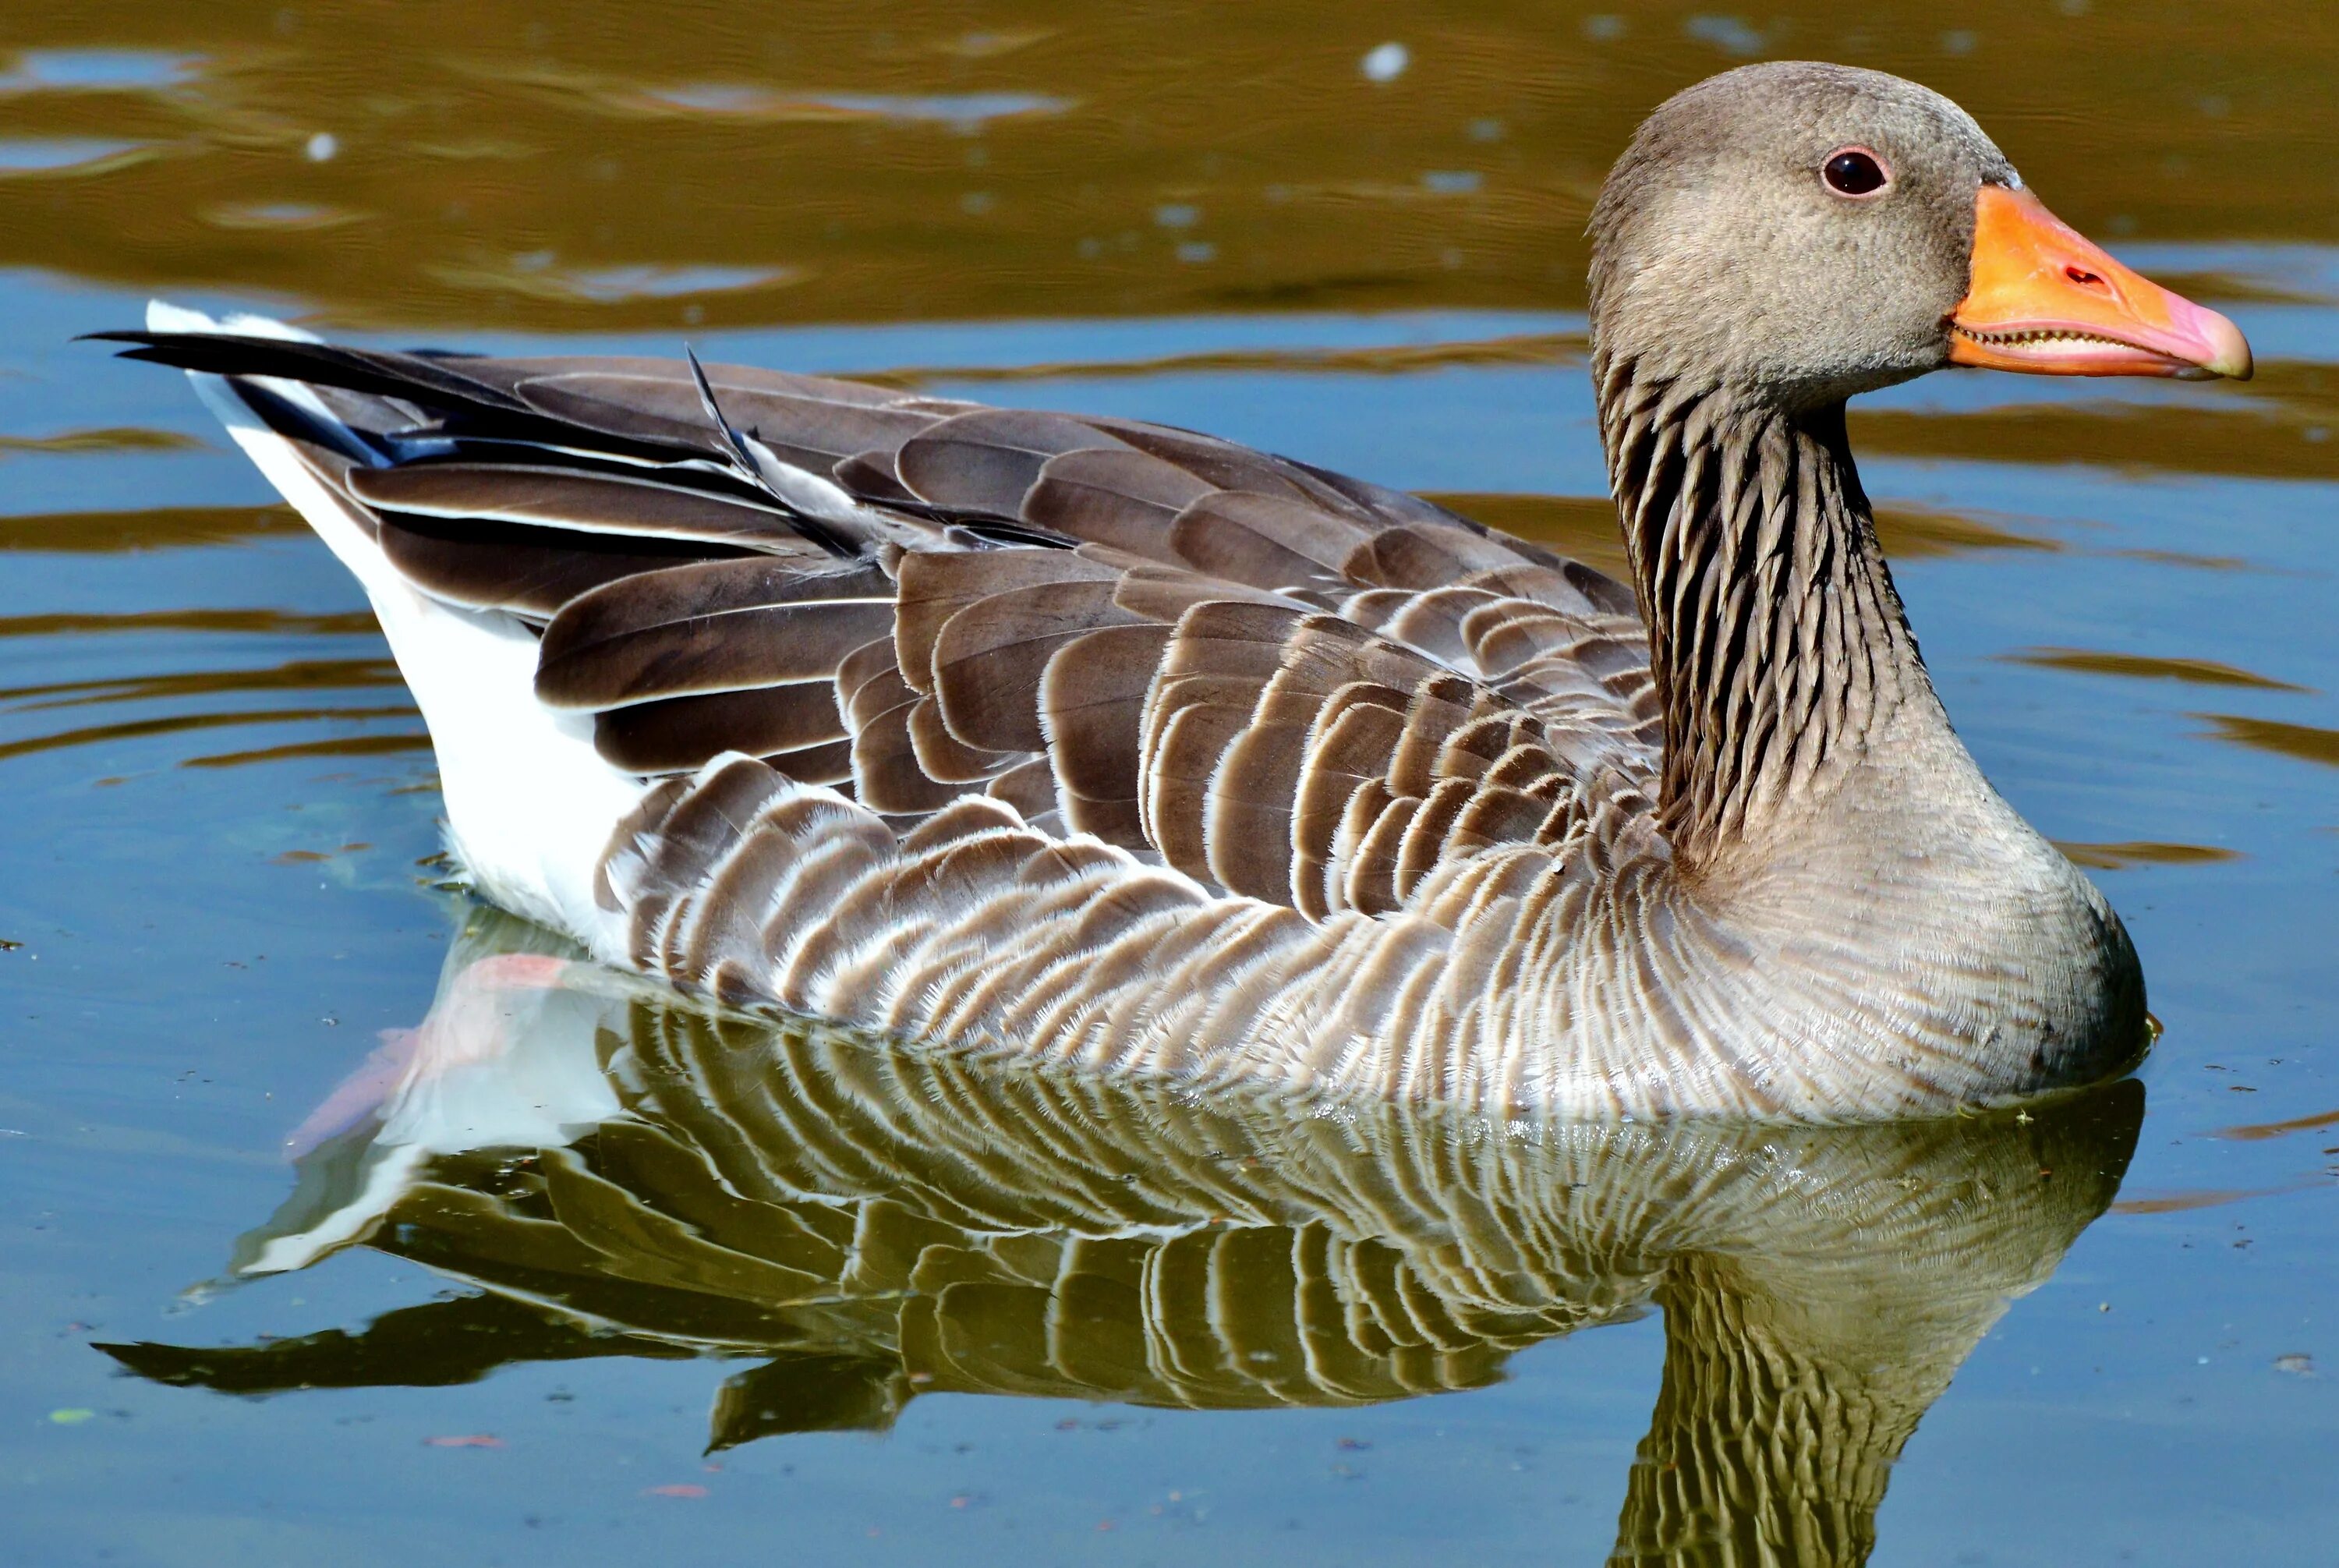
point(146, 346)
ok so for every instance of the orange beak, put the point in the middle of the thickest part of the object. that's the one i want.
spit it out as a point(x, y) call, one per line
point(2045, 298)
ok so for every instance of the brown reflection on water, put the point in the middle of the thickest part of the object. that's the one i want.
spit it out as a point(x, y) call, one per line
point(120, 438)
point(344, 623)
point(614, 164)
point(160, 529)
point(399, 742)
point(1584, 526)
point(297, 675)
point(176, 724)
point(1389, 359)
point(2141, 667)
point(1910, 533)
point(2309, 742)
point(2120, 856)
point(180, 680)
point(2256, 1133)
point(2258, 439)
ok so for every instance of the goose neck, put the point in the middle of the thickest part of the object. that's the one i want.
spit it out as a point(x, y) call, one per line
point(1777, 643)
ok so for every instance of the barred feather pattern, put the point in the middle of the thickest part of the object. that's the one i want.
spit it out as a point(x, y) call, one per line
point(1107, 743)
point(1781, 644)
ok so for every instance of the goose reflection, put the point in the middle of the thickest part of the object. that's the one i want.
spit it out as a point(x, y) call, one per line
point(623, 1175)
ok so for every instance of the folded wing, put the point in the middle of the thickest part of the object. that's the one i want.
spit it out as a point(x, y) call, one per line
point(1283, 682)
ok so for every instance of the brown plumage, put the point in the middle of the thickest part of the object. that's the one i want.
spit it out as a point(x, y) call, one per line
point(1139, 749)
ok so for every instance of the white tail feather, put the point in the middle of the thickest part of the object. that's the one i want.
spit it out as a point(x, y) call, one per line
point(531, 804)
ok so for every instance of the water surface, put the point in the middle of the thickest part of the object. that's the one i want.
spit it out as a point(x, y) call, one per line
point(574, 1275)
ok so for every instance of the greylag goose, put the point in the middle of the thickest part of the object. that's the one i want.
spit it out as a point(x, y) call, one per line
point(1091, 742)
point(626, 1173)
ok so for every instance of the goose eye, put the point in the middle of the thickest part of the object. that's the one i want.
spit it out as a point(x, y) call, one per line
point(1855, 171)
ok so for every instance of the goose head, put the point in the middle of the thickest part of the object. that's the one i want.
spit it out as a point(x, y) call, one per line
point(1802, 233)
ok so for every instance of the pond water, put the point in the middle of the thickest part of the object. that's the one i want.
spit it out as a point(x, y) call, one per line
point(620, 1281)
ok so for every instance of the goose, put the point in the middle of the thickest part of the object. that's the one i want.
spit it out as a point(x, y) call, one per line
point(1093, 743)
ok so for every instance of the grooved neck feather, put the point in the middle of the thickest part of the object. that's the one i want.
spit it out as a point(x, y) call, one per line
point(1775, 635)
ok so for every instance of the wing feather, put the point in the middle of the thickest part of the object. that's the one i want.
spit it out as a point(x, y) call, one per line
point(1280, 681)
point(721, 625)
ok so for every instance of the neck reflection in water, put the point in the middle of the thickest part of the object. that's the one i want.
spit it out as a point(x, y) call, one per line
point(624, 1175)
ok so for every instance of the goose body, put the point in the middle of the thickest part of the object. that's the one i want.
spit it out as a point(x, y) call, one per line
point(1094, 742)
